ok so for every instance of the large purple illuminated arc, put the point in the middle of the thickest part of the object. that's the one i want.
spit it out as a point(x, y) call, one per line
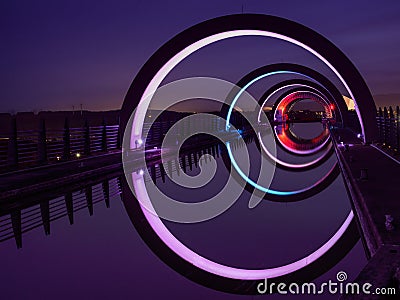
point(174, 51)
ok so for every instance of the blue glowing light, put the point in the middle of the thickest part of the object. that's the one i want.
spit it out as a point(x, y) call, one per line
point(228, 117)
point(251, 182)
point(227, 126)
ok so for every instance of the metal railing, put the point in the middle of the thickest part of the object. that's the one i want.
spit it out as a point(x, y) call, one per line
point(20, 149)
point(27, 148)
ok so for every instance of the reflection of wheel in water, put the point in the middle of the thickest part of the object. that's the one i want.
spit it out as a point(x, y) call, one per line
point(284, 104)
point(284, 112)
point(151, 228)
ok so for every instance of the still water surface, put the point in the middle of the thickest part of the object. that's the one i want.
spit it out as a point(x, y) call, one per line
point(102, 256)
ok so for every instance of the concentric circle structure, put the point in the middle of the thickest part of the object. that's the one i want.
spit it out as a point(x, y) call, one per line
point(285, 88)
point(148, 80)
point(286, 136)
point(324, 92)
point(269, 71)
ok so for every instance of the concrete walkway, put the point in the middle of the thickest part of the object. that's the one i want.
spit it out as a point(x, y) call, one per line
point(372, 179)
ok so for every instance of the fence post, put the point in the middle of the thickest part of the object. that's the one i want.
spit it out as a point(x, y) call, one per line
point(13, 144)
point(67, 140)
point(86, 138)
point(42, 144)
point(104, 137)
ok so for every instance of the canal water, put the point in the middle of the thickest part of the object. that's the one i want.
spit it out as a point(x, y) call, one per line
point(101, 256)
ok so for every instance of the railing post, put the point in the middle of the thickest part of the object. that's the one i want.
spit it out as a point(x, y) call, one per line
point(67, 140)
point(42, 144)
point(104, 137)
point(87, 139)
point(13, 144)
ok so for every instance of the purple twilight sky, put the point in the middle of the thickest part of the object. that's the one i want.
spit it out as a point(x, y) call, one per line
point(59, 54)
